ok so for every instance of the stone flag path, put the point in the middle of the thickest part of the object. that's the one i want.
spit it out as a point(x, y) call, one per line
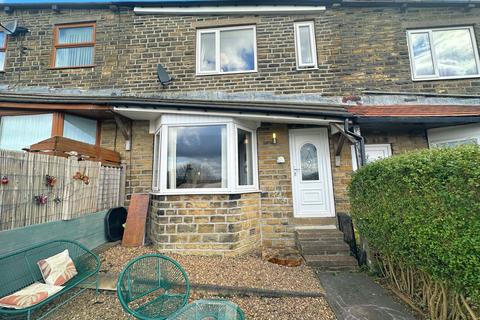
point(355, 296)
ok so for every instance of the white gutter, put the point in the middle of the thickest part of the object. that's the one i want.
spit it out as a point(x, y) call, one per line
point(152, 114)
point(229, 10)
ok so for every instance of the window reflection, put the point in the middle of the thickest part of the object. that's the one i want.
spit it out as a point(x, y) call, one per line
point(309, 162)
point(237, 50)
point(245, 170)
point(197, 157)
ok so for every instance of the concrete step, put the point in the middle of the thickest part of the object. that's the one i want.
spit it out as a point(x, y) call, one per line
point(324, 248)
point(331, 262)
point(319, 236)
point(313, 222)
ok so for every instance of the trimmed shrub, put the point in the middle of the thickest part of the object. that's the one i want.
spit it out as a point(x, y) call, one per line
point(422, 210)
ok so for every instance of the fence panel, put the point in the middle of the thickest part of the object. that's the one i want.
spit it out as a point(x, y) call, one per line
point(75, 188)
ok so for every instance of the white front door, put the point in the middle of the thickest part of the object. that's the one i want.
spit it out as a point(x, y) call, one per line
point(311, 173)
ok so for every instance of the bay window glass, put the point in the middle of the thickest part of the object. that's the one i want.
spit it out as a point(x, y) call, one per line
point(244, 155)
point(443, 53)
point(197, 157)
point(74, 45)
point(80, 129)
point(226, 50)
point(18, 132)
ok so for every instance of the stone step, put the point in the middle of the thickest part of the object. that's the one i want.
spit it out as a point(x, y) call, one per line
point(324, 248)
point(331, 262)
point(319, 236)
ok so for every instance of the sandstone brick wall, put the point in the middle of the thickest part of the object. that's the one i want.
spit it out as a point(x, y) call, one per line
point(401, 140)
point(358, 48)
point(205, 224)
point(138, 161)
point(374, 51)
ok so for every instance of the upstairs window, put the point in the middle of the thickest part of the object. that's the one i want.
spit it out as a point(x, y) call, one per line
point(74, 45)
point(3, 48)
point(443, 53)
point(305, 47)
point(226, 50)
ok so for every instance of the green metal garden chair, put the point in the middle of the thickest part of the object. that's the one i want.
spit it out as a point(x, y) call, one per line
point(153, 286)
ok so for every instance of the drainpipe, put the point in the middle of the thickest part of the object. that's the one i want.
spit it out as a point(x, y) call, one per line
point(360, 140)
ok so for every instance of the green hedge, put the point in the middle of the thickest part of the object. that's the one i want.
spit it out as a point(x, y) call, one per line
point(423, 208)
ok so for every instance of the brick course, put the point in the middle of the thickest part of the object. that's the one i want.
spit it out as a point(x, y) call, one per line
point(357, 48)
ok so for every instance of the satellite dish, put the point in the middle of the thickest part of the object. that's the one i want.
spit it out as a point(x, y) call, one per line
point(163, 75)
point(12, 28)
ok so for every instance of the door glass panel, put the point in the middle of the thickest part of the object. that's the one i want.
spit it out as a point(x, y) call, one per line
point(309, 162)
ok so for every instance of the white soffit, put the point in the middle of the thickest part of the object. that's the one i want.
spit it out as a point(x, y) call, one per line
point(230, 10)
point(149, 114)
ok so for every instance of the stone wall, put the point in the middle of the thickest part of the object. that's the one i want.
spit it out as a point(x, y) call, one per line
point(138, 161)
point(357, 48)
point(205, 224)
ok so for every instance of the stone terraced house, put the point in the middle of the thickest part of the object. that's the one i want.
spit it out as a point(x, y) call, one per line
point(243, 120)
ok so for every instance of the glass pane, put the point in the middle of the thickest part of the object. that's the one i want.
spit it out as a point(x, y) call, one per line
point(80, 129)
point(422, 54)
point(2, 60)
point(197, 157)
point(207, 52)
point(3, 39)
point(455, 143)
point(74, 57)
point(237, 50)
point(304, 40)
point(309, 162)
point(18, 132)
point(244, 148)
point(75, 35)
point(454, 53)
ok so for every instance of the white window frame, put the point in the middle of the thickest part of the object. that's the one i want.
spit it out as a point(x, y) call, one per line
point(217, 31)
point(443, 135)
point(436, 76)
point(313, 49)
point(159, 183)
point(385, 147)
point(254, 158)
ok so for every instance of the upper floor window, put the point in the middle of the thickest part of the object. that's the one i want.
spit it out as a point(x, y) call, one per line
point(226, 50)
point(443, 53)
point(305, 47)
point(74, 45)
point(3, 48)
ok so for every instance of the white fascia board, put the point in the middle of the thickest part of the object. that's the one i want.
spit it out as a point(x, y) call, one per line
point(228, 10)
point(149, 114)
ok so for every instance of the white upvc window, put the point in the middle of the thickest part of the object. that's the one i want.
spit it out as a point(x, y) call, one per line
point(305, 45)
point(373, 152)
point(226, 50)
point(202, 156)
point(443, 53)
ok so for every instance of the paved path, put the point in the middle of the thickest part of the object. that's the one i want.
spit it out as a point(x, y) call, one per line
point(355, 296)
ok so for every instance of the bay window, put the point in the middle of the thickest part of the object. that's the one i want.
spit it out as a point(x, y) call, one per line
point(195, 156)
point(74, 45)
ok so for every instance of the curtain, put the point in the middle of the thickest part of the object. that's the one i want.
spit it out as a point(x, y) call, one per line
point(79, 56)
point(18, 132)
point(207, 52)
point(80, 129)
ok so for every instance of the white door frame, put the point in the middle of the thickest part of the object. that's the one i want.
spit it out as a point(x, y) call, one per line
point(324, 141)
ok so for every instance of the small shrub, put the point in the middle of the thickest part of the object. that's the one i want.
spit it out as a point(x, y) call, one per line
point(423, 210)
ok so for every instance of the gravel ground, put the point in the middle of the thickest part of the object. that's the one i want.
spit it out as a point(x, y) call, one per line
point(249, 271)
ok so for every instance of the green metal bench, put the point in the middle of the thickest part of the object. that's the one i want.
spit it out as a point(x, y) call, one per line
point(153, 286)
point(19, 270)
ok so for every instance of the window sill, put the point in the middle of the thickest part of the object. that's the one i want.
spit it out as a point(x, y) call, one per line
point(77, 67)
point(307, 68)
point(223, 73)
point(201, 192)
point(447, 78)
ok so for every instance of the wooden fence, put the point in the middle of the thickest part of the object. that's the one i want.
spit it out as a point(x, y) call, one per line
point(75, 188)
